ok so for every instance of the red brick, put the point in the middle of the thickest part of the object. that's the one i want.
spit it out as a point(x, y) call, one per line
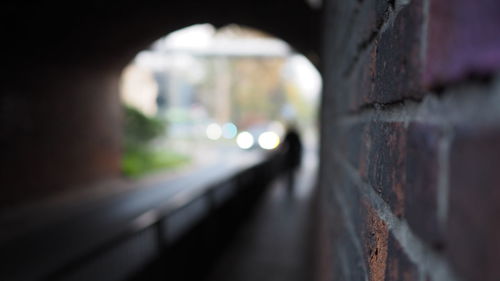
point(390, 69)
point(375, 236)
point(362, 20)
point(386, 156)
point(398, 62)
point(362, 80)
point(356, 26)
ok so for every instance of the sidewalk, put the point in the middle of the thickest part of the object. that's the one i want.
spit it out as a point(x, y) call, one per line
point(275, 244)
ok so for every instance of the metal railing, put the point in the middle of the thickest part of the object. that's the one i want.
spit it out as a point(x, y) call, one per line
point(203, 214)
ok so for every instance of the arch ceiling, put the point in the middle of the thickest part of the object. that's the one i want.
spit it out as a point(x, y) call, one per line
point(112, 32)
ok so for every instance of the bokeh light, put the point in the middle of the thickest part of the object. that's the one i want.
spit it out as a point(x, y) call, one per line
point(229, 130)
point(245, 140)
point(269, 140)
point(214, 131)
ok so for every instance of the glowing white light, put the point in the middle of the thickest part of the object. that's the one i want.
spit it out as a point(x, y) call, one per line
point(229, 130)
point(303, 73)
point(214, 131)
point(269, 140)
point(245, 140)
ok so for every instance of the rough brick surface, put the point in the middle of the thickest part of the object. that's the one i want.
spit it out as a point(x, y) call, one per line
point(356, 26)
point(387, 67)
point(413, 173)
point(386, 156)
point(375, 238)
point(397, 73)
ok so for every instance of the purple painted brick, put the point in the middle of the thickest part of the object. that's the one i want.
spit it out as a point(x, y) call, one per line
point(463, 39)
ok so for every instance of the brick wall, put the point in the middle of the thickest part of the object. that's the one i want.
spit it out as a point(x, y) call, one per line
point(410, 140)
point(59, 131)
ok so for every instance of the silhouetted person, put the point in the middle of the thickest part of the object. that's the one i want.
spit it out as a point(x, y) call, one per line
point(293, 155)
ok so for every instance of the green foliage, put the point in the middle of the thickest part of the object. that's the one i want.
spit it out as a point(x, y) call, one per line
point(139, 157)
point(141, 129)
point(140, 160)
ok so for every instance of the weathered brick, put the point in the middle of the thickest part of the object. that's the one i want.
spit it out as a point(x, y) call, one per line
point(386, 156)
point(398, 60)
point(462, 40)
point(361, 235)
point(361, 80)
point(390, 68)
point(422, 171)
point(375, 236)
point(473, 227)
point(406, 164)
point(362, 22)
point(399, 267)
point(357, 24)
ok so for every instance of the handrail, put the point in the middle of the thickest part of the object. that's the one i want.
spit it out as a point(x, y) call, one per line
point(251, 179)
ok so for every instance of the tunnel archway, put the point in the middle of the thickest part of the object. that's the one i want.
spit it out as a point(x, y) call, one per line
point(70, 63)
point(60, 103)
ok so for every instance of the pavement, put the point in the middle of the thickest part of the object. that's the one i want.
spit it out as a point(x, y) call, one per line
point(275, 244)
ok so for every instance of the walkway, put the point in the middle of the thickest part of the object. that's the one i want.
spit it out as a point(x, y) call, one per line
point(274, 245)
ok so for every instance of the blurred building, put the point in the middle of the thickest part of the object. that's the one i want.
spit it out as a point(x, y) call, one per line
point(139, 89)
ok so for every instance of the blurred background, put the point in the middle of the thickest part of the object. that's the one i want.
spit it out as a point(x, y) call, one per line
point(201, 95)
